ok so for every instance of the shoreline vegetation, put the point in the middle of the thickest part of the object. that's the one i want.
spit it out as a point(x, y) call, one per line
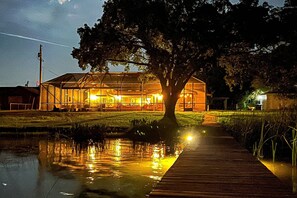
point(33, 119)
point(265, 134)
point(43, 119)
point(82, 126)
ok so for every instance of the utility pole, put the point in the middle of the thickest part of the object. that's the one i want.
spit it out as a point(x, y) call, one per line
point(40, 75)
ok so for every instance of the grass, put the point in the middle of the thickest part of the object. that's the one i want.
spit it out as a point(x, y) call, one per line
point(255, 129)
point(22, 119)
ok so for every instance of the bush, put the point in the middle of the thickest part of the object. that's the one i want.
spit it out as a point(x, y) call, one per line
point(152, 131)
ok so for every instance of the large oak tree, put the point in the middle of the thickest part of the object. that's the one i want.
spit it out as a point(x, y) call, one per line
point(173, 39)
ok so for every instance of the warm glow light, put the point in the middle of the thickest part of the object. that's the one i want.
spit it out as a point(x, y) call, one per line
point(157, 156)
point(158, 96)
point(91, 166)
point(118, 97)
point(139, 101)
point(91, 152)
point(117, 158)
point(93, 97)
point(189, 138)
point(117, 150)
point(156, 153)
point(284, 171)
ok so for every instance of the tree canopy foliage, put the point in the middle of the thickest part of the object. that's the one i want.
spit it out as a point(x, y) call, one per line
point(272, 63)
point(173, 39)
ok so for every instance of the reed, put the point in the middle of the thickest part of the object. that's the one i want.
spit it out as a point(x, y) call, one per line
point(152, 131)
point(256, 131)
point(261, 141)
point(84, 133)
point(255, 148)
point(264, 137)
point(292, 144)
point(273, 149)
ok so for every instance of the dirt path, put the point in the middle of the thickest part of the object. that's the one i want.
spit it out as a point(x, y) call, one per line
point(210, 120)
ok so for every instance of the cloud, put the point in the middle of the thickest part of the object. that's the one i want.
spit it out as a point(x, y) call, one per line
point(61, 2)
point(39, 15)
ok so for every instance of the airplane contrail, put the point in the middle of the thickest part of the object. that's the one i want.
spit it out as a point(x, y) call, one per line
point(33, 39)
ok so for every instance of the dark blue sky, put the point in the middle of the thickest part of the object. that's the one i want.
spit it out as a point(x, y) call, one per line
point(25, 23)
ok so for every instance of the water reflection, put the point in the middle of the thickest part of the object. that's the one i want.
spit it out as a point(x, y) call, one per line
point(284, 171)
point(59, 168)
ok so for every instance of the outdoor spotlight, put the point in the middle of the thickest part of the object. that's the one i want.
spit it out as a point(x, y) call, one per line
point(189, 138)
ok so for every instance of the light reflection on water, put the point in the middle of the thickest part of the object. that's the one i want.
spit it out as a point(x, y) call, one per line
point(59, 168)
point(284, 171)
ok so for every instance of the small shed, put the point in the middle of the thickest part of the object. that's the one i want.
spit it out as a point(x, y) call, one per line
point(276, 101)
point(124, 91)
point(19, 98)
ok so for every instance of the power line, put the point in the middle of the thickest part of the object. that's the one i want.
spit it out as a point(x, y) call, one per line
point(34, 39)
point(50, 71)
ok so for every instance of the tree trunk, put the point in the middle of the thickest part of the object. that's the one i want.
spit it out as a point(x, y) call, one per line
point(171, 88)
point(170, 103)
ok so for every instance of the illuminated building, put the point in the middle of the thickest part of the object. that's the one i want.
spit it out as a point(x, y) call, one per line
point(116, 92)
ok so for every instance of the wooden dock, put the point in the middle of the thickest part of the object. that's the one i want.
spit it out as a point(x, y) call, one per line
point(215, 165)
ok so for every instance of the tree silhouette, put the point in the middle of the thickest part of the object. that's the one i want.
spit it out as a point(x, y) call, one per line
point(272, 61)
point(173, 39)
point(170, 39)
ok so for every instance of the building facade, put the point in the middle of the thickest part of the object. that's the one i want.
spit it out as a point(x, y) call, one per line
point(275, 101)
point(19, 98)
point(116, 92)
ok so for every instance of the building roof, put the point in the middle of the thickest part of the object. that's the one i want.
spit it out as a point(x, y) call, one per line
point(98, 79)
point(19, 90)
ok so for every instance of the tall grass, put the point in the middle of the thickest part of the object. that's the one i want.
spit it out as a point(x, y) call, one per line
point(263, 132)
point(293, 146)
point(261, 141)
point(153, 131)
point(273, 149)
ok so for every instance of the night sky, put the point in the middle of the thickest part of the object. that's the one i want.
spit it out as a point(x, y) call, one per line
point(25, 24)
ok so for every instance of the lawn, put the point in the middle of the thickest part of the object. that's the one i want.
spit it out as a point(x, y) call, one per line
point(20, 119)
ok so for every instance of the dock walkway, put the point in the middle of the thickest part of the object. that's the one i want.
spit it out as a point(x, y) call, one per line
point(215, 165)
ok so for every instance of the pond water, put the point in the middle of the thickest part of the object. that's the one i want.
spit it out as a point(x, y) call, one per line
point(41, 167)
point(119, 168)
point(284, 171)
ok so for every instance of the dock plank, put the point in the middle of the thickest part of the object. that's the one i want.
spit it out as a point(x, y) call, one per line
point(217, 166)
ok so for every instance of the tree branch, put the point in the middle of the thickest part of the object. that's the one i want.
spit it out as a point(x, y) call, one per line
point(127, 61)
